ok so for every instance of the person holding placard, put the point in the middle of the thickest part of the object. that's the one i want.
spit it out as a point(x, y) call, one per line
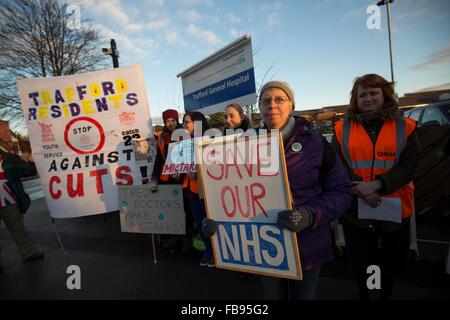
point(321, 191)
point(381, 152)
point(171, 123)
point(190, 185)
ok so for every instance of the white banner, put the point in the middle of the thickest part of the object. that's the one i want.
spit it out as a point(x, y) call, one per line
point(225, 77)
point(81, 129)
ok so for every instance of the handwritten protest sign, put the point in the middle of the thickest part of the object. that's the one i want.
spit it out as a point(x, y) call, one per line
point(145, 154)
point(180, 158)
point(81, 129)
point(144, 211)
point(245, 186)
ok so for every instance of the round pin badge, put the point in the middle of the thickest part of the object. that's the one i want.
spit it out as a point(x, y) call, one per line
point(296, 147)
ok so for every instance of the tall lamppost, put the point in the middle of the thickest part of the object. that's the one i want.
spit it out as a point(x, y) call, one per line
point(113, 52)
point(388, 9)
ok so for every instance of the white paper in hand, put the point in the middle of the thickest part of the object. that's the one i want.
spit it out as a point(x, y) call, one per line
point(390, 209)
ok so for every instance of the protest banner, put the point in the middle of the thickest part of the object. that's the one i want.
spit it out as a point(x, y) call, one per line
point(180, 158)
point(245, 186)
point(145, 154)
point(225, 76)
point(145, 211)
point(81, 129)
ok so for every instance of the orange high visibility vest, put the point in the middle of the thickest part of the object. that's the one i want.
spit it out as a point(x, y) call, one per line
point(163, 178)
point(369, 161)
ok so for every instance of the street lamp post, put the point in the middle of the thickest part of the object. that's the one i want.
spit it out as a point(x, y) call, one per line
point(388, 9)
point(113, 52)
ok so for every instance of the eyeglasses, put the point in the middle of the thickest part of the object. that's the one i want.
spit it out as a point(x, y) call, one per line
point(268, 101)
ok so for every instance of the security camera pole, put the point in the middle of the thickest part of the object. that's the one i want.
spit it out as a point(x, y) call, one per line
point(113, 52)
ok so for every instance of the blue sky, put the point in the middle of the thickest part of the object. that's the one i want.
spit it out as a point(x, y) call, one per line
point(318, 46)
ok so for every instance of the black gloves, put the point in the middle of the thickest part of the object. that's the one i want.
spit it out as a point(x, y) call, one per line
point(298, 219)
point(294, 220)
point(209, 227)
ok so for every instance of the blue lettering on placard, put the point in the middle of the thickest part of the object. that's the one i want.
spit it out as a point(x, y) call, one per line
point(252, 244)
point(236, 86)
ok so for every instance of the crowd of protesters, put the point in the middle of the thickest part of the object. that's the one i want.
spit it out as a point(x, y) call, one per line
point(372, 158)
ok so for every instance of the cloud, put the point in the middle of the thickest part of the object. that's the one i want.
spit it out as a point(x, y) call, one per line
point(134, 27)
point(357, 13)
point(413, 9)
point(171, 36)
point(141, 47)
point(194, 3)
point(109, 8)
point(436, 59)
point(206, 35)
point(435, 88)
point(191, 15)
point(235, 33)
point(157, 25)
point(154, 3)
point(232, 19)
point(272, 12)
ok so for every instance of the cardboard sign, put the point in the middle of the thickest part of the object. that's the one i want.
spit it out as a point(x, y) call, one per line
point(144, 211)
point(245, 186)
point(81, 129)
point(180, 158)
point(145, 154)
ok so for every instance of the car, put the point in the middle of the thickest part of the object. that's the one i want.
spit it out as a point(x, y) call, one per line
point(435, 114)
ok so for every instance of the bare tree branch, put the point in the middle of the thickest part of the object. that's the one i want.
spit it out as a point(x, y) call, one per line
point(36, 40)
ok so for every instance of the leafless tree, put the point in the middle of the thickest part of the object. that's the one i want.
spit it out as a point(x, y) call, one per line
point(40, 38)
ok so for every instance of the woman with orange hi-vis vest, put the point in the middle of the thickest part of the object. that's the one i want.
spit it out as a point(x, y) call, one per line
point(192, 122)
point(381, 152)
point(171, 123)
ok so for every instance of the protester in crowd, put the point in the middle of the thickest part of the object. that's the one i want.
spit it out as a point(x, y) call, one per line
point(14, 201)
point(320, 188)
point(381, 152)
point(235, 118)
point(171, 123)
point(191, 186)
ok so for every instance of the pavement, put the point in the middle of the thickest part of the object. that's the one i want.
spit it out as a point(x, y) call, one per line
point(116, 265)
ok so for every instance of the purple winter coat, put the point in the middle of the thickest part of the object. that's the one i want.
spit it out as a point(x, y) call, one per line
point(330, 197)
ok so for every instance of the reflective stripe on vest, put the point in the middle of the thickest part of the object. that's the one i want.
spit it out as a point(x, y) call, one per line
point(369, 161)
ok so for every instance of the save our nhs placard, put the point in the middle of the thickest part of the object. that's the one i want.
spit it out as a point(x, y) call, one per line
point(224, 77)
point(245, 186)
point(81, 129)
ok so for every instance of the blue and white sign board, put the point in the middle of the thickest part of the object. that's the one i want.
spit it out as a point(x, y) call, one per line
point(225, 77)
point(245, 186)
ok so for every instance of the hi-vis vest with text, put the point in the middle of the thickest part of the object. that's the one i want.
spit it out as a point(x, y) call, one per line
point(369, 161)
